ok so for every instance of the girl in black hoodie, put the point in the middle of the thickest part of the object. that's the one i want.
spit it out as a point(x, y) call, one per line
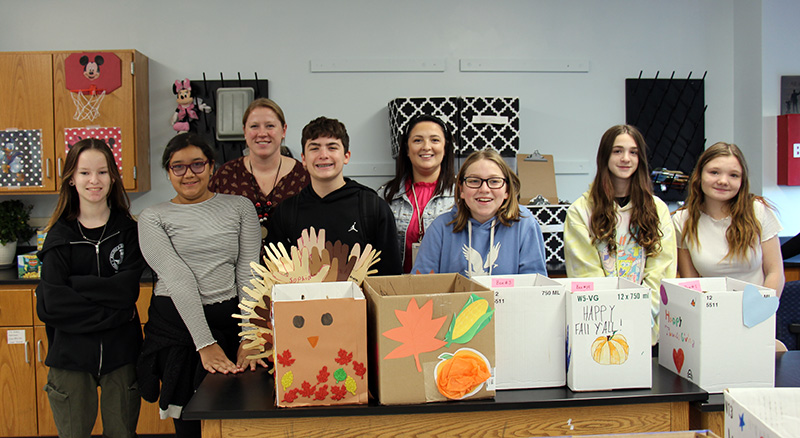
point(91, 266)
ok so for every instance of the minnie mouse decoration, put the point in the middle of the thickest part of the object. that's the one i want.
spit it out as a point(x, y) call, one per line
point(186, 112)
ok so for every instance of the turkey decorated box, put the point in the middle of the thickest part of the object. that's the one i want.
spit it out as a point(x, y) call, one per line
point(432, 338)
point(696, 313)
point(762, 412)
point(320, 342)
point(607, 334)
point(529, 330)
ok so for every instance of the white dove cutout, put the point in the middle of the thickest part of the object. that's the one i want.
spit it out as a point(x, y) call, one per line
point(475, 263)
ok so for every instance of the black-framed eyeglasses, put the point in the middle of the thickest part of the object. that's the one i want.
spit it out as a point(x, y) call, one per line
point(196, 166)
point(474, 182)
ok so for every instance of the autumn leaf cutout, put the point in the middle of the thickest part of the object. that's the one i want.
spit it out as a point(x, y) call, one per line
point(417, 332)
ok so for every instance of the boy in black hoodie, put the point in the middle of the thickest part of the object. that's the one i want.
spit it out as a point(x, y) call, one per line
point(346, 210)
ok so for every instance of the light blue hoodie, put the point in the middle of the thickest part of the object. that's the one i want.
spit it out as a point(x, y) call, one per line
point(518, 249)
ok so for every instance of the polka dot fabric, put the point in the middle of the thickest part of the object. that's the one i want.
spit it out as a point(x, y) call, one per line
point(21, 158)
point(111, 135)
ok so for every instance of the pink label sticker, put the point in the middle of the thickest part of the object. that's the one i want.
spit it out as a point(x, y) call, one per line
point(502, 282)
point(693, 285)
point(582, 286)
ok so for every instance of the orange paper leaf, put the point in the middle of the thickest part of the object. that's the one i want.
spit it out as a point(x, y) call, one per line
point(417, 332)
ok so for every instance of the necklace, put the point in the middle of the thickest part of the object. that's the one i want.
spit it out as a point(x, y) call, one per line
point(96, 243)
point(264, 210)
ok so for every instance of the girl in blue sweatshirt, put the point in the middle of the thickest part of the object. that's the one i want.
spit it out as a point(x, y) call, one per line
point(487, 232)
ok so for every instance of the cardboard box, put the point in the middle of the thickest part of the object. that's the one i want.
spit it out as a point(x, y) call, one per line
point(320, 338)
point(420, 328)
point(762, 413)
point(529, 330)
point(703, 337)
point(28, 266)
point(608, 334)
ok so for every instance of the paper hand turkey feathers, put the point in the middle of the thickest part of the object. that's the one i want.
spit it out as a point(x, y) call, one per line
point(313, 260)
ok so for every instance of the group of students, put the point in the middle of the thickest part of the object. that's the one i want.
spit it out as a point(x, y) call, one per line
point(429, 219)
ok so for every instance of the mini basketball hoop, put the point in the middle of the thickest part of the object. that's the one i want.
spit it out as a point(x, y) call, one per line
point(87, 103)
point(88, 77)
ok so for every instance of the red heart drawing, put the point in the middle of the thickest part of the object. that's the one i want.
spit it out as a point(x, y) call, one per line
point(677, 357)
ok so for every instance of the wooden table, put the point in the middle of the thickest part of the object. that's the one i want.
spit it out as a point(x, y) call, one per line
point(709, 414)
point(242, 406)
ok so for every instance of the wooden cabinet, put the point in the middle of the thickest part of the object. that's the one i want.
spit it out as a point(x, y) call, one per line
point(25, 409)
point(33, 89)
point(26, 90)
point(17, 394)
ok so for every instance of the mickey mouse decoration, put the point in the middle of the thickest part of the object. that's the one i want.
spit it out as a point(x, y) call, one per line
point(91, 70)
point(186, 112)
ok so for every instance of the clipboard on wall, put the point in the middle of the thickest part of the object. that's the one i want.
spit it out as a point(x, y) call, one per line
point(537, 176)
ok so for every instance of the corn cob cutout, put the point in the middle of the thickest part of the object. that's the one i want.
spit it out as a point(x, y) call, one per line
point(472, 318)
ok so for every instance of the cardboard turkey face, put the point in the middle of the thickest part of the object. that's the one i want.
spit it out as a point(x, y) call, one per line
point(320, 343)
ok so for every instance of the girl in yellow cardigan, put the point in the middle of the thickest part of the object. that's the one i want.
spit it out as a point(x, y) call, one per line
point(618, 228)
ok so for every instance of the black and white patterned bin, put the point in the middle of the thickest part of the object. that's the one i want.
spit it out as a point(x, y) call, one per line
point(488, 122)
point(476, 122)
point(402, 109)
point(551, 219)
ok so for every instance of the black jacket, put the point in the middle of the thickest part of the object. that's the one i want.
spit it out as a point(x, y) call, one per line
point(87, 295)
point(352, 214)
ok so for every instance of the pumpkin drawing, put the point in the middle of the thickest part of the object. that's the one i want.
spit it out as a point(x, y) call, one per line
point(610, 350)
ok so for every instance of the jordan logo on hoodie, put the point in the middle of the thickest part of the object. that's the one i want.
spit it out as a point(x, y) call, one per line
point(353, 228)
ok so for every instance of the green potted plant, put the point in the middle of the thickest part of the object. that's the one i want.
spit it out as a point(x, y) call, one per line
point(14, 217)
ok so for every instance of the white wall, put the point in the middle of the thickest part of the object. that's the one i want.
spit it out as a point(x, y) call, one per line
point(563, 114)
point(780, 36)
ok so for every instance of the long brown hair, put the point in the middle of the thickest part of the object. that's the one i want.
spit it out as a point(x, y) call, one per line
point(509, 209)
point(644, 224)
point(744, 233)
point(69, 205)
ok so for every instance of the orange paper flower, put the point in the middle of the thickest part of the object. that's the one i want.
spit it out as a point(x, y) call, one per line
point(461, 373)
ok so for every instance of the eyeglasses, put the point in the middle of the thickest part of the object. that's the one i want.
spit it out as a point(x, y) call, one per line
point(196, 166)
point(474, 182)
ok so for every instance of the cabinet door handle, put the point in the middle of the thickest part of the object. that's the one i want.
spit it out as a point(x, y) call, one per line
point(27, 360)
point(47, 168)
point(58, 166)
point(39, 350)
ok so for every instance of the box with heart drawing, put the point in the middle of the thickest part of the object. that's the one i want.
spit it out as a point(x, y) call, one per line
point(718, 332)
